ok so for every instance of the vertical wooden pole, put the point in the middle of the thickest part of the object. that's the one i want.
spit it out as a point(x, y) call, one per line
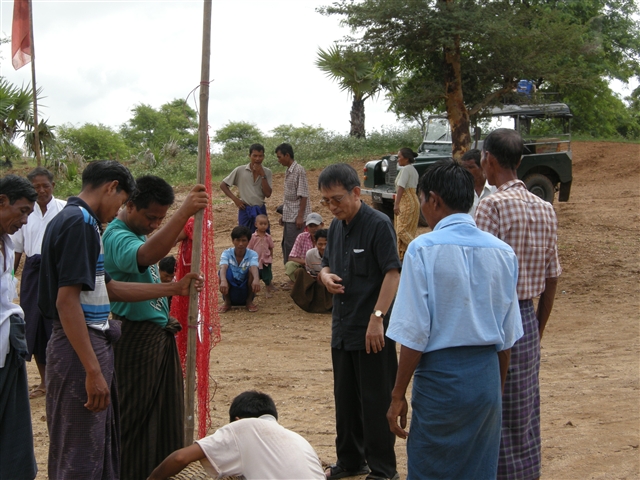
point(36, 132)
point(192, 329)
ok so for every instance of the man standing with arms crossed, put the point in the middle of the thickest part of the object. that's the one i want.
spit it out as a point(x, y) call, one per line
point(529, 225)
point(361, 269)
point(296, 204)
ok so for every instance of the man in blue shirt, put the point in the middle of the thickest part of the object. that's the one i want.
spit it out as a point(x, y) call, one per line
point(239, 275)
point(456, 316)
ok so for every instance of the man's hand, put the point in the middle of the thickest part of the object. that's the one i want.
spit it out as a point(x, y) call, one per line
point(185, 283)
point(300, 221)
point(257, 168)
point(398, 410)
point(332, 282)
point(224, 287)
point(97, 392)
point(240, 204)
point(196, 200)
point(255, 285)
point(375, 335)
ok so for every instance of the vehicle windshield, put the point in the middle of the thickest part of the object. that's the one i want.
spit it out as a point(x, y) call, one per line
point(437, 130)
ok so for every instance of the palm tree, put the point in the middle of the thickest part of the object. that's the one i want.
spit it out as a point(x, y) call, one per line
point(357, 73)
point(45, 135)
point(15, 113)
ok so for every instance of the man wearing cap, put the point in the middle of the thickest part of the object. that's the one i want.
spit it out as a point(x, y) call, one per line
point(304, 242)
point(296, 206)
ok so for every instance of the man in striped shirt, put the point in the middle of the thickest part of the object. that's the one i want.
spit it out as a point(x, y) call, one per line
point(529, 225)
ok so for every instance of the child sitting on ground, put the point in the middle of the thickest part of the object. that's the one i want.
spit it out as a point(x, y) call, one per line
point(239, 276)
point(304, 243)
point(262, 243)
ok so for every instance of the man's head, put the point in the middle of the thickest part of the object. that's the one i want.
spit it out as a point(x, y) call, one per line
point(112, 182)
point(502, 149)
point(471, 161)
point(42, 181)
point(340, 188)
point(314, 222)
point(284, 152)
point(446, 188)
point(16, 203)
point(321, 240)
point(148, 206)
point(252, 404)
point(167, 267)
point(240, 237)
point(256, 153)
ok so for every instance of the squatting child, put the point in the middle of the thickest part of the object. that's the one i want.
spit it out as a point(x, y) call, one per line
point(262, 243)
point(239, 275)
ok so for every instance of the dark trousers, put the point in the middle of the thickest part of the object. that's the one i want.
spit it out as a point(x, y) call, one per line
point(289, 234)
point(362, 385)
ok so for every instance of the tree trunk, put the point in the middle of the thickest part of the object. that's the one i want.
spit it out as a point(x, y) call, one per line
point(456, 109)
point(357, 119)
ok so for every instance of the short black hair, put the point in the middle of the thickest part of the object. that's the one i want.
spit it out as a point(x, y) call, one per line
point(99, 172)
point(258, 147)
point(252, 404)
point(240, 232)
point(322, 233)
point(506, 145)
point(473, 154)
point(452, 182)
point(339, 174)
point(38, 171)
point(409, 154)
point(15, 188)
point(168, 264)
point(284, 149)
point(149, 189)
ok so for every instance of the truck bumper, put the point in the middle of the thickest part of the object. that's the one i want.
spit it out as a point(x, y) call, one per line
point(379, 196)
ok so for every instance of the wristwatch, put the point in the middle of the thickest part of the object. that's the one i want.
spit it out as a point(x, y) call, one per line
point(379, 314)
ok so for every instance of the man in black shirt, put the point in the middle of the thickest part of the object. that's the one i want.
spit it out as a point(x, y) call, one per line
point(361, 269)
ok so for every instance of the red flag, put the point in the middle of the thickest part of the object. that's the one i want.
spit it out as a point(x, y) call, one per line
point(21, 34)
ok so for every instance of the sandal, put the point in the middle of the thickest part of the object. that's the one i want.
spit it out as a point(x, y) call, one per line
point(252, 307)
point(224, 308)
point(333, 472)
point(37, 393)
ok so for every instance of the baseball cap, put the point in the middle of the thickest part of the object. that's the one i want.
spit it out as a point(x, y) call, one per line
point(314, 218)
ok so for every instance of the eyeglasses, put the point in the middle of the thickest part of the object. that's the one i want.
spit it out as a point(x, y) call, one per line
point(335, 201)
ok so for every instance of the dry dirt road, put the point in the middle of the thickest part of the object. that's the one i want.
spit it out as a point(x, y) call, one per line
point(590, 362)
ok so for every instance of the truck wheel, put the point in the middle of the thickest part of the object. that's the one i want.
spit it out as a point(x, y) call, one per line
point(422, 222)
point(386, 208)
point(540, 186)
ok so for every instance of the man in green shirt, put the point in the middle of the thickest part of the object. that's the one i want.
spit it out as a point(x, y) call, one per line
point(146, 357)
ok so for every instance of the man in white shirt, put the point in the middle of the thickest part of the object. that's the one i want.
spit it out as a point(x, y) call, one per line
point(17, 459)
point(253, 445)
point(28, 240)
point(481, 188)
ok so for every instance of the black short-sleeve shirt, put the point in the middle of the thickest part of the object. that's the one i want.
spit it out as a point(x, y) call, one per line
point(70, 254)
point(360, 253)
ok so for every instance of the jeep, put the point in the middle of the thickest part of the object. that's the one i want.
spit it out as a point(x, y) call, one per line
point(545, 167)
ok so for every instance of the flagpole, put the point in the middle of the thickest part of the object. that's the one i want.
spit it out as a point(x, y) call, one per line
point(36, 146)
point(192, 329)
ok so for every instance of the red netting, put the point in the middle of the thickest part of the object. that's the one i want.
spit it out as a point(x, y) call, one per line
point(208, 320)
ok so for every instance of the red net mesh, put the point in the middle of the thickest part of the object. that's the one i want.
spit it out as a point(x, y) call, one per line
point(208, 331)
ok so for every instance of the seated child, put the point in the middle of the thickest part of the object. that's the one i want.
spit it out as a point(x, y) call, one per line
point(304, 243)
point(239, 276)
point(313, 259)
point(253, 446)
point(262, 243)
point(167, 268)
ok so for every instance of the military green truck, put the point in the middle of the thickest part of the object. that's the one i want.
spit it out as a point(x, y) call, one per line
point(545, 166)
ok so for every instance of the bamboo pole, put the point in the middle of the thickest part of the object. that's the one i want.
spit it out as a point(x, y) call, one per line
point(192, 329)
point(36, 147)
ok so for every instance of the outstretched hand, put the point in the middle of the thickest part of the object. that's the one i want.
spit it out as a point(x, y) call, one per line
point(184, 284)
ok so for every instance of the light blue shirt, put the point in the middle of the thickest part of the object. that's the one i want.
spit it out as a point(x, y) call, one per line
point(239, 271)
point(457, 288)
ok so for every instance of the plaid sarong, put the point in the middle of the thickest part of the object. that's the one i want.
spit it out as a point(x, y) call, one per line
point(151, 395)
point(520, 454)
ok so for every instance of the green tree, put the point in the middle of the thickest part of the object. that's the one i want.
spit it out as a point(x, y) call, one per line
point(304, 134)
point(357, 73)
point(15, 115)
point(151, 129)
point(238, 136)
point(93, 142)
point(46, 138)
point(465, 55)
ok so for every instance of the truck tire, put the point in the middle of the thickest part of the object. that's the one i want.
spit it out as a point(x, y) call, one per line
point(386, 208)
point(540, 186)
point(422, 222)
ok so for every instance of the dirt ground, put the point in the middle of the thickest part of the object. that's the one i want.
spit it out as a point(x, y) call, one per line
point(590, 363)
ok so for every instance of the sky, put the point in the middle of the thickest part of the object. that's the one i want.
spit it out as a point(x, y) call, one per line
point(96, 60)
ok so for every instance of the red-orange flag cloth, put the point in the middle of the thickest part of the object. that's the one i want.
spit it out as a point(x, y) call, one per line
point(20, 34)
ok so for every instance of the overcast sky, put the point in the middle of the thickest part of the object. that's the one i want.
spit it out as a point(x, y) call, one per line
point(96, 60)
